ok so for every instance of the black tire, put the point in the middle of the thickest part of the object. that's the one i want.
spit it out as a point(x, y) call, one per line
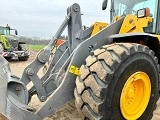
point(23, 47)
point(98, 88)
point(8, 58)
point(1, 48)
point(25, 58)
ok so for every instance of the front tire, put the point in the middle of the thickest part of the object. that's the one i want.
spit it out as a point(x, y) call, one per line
point(24, 58)
point(25, 48)
point(101, 90)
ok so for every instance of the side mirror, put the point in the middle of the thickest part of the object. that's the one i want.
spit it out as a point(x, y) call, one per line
point(16, 32)
point(104, 4)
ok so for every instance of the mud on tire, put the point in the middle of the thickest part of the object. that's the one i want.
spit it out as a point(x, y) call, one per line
point(23, 47)
point(98, 88)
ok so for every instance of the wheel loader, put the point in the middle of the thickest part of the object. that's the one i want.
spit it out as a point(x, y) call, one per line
point(112, 72)
point(10, 47)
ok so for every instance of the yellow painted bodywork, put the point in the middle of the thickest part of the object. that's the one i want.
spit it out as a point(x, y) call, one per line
point(133, 24)
point(116, 18)
point(158, 36)
point(135, 96)
point(98, 26)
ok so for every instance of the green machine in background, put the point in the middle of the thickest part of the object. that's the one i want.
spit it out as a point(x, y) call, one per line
point(10, 46)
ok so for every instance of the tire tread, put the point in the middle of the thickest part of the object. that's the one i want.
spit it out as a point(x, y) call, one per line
point(95, 75)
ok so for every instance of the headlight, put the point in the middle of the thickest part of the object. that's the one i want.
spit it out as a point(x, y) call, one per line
point(145, 12)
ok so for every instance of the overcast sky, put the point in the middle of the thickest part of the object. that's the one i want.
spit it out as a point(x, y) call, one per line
point(41, 18)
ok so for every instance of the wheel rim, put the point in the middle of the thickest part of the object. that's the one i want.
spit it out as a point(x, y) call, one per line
point(135, 95)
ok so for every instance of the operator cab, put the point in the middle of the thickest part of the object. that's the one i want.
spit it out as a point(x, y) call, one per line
point(4, 31)
point(7, 30)
point(124, 7)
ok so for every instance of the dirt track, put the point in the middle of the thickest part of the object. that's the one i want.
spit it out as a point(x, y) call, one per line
point(68, 112)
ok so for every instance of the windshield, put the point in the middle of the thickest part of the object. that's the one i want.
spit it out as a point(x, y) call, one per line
point(4, 31)
point(124, 7)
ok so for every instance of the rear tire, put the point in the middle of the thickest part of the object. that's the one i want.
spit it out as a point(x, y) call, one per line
point(23, 47)
point(99, 87)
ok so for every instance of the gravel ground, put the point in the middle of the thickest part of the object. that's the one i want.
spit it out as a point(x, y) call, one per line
point(68, 112)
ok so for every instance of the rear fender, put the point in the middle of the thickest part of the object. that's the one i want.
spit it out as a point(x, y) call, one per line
point(150, 40)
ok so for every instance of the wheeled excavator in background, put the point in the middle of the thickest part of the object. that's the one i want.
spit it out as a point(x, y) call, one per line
point(113, 74)
point(10, 46)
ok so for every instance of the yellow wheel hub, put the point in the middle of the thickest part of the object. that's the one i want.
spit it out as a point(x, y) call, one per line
point(135, 96)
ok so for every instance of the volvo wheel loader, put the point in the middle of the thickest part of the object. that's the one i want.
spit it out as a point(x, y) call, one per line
point(113, 74)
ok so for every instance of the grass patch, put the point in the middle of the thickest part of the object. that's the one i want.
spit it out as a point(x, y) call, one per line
point(36, 47)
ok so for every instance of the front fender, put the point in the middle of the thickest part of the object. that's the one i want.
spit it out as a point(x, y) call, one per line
point(132, 37)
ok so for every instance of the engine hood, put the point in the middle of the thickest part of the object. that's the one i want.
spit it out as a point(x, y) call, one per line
point(12, 37)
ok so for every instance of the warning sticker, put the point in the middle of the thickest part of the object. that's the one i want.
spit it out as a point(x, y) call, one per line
point(74, 70)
